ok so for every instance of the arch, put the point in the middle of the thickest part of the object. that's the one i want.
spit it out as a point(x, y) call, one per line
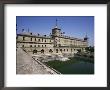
point(56, 50)
point(71, 49)
point(34, 51)
point(23, 38)
point(64, 49)
point(61, 50)
point(50, 51)
point(22, 45)
point(67, 49)
point(42, 51)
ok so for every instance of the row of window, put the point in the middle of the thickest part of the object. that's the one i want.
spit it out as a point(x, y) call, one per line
point(63, 50)
point(35, 45)
point(52, 51)
point(50, 40)
point(45, 46)
point(36, 40)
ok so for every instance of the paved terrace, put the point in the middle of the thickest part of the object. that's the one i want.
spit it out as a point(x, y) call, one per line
point(25, 64)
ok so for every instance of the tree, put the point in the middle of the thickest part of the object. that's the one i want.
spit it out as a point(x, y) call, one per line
point(79, 50)
point(89, 49)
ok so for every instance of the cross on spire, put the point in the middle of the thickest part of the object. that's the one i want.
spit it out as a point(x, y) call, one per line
point(86, 35)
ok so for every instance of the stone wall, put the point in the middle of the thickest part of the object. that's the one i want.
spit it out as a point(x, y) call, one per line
point(56, 45)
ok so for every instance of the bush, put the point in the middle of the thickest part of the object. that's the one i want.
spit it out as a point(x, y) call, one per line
point(91, 56)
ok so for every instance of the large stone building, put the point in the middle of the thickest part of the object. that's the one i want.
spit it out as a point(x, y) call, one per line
point(55, 43)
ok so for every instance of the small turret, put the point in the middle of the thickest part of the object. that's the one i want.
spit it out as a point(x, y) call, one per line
point(86, 41)
point(86, 38)
point(56, 31)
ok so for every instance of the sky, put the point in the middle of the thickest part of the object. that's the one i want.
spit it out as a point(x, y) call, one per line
point(74, 26)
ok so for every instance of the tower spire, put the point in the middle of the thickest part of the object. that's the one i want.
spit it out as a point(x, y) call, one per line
point(86, 34)
point(56, 22)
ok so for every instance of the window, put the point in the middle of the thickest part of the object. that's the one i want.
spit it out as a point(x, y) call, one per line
point(64, 49)
point(42, 51)
point(50, 40)
point(42, 45)
point(50, 51)
point(34, 45)
point(39, 40)
point(16, 37)
point(67, 49)
point(30, 45)
point(34, 51)
point(45, 45)
point(56, 50)
point(22, 45)
point(61, 50)
point(71, 50)
point(35, 39)
point(45, 40)
point(38, 45)
point(31, 39)
point(23, 38)
point(42, 39)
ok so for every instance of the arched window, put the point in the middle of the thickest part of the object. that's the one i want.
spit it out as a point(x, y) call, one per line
point(16, 37)
point(61, 50)
point(23, 38)
point(30, 45)
point(45, 45)
point(38, 45)
point(34, 51)
point(42, 51)
point(64, 49)
point(56, 50)
point(31, 39)
point(42, 45)
point(22, 45)
point(50, 51)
